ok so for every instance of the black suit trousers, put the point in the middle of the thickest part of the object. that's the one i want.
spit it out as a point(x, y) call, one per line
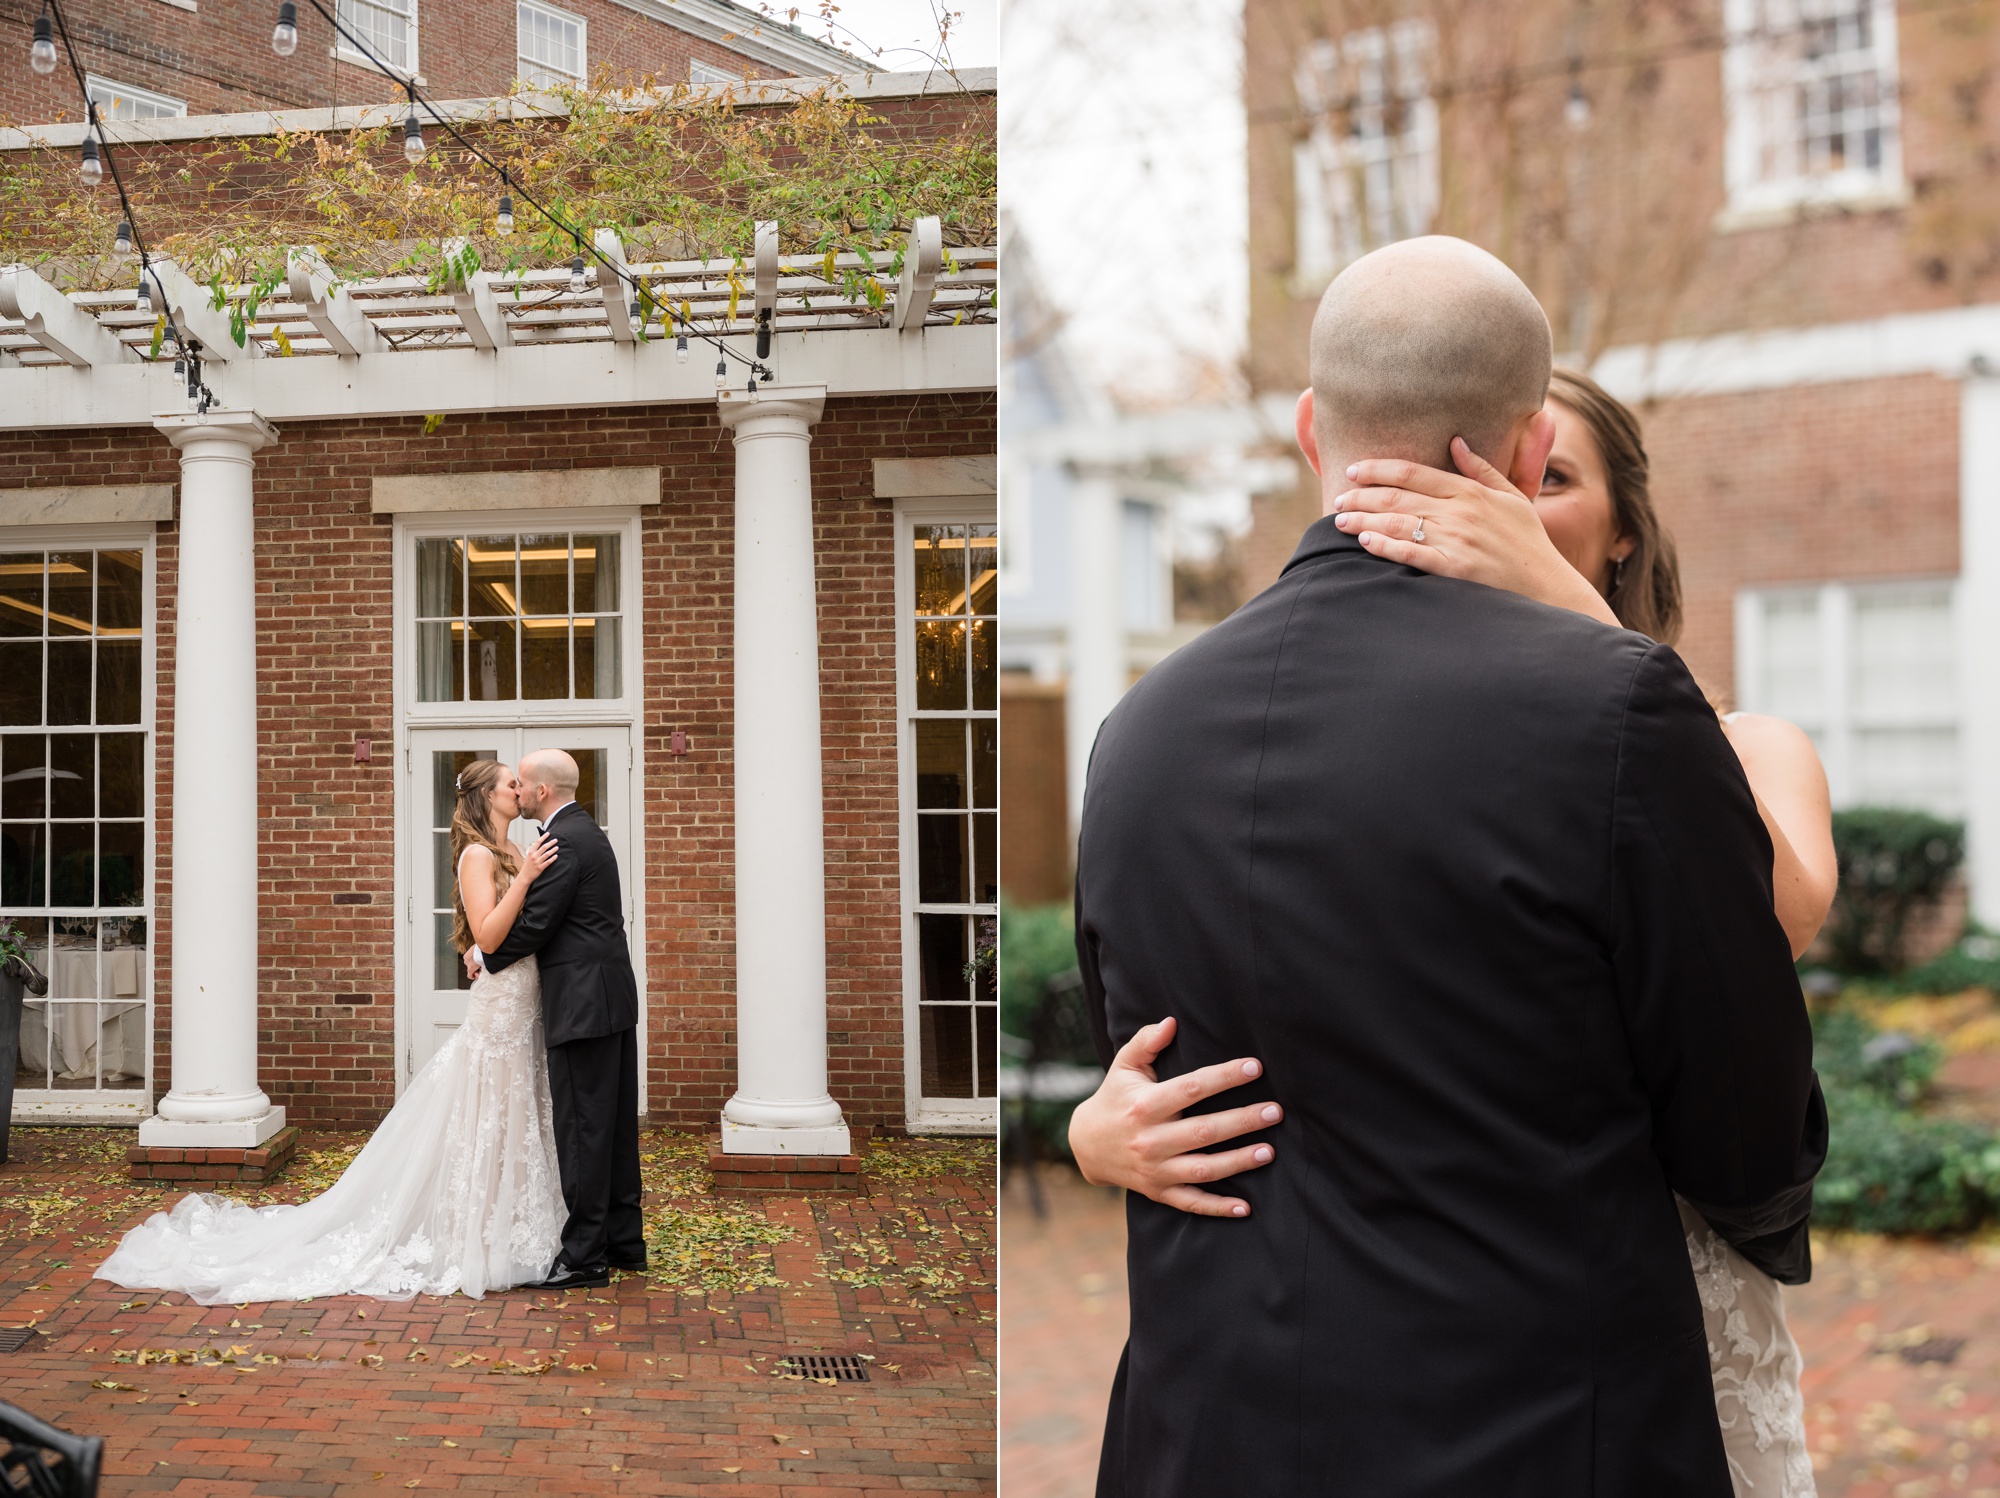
point(594, 1087)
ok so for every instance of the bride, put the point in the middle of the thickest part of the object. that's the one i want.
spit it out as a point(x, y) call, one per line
point(457, 1190)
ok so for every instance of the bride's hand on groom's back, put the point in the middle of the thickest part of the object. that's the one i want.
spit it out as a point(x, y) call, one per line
point(1130, 1132)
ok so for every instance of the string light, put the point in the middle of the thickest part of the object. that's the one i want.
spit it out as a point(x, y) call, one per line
point(577, 283)
point(413, 137)
point(632, 311)
point(92, 168)
point(503, 221)
point(1576, 109)
point(285, 35)
point(145, 296)
point(681, 346)
point(42, 53)
point(122, 245)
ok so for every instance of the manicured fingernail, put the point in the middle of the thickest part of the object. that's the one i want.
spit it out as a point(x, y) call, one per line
point(1353, 469)
point(1272, 1114)
point(1261, 1154)
point(1369, 538)
point(1238, 1210)
point(1253, 1069)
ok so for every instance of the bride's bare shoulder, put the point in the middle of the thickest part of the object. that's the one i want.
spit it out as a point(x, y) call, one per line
point(478, 855)
point(1775, 745)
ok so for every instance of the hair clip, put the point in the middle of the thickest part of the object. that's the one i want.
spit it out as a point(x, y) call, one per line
point(458, 781)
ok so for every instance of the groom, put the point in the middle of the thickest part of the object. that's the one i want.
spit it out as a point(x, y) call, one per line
point(1484, 885)
point(573, 920)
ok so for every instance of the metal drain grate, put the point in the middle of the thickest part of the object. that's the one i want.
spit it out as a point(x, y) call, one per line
point(843, 1367)
point(16, 1338)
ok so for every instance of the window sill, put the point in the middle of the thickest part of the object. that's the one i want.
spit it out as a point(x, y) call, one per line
point(1806, 203)
point(362, 60)
point(181, 4)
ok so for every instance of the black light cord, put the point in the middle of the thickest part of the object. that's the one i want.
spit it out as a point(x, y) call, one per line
point(641, 293)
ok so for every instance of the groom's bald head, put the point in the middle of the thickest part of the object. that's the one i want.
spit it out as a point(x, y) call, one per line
point(1422, 341)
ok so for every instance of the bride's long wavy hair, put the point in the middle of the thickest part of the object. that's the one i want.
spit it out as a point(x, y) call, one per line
point(471, 823)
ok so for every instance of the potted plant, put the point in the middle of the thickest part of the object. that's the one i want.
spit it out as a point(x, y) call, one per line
point(18, 975)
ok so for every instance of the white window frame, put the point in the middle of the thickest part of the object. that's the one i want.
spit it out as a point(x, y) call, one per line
point(523, 64)
point(924, 1115)
point(1835, 603)
point(104, 92)
point(625, 711)
point(1397, 171)
point(708, 72)
point(1760, 83)
point(126, 1105)
point(344, 53)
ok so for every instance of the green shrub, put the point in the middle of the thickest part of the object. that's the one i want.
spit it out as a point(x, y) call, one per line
point(1973, 963)
point(1890, 1168)
point(1036, 943)
point(1892, 863)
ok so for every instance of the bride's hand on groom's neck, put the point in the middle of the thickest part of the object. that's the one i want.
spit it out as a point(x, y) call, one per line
point(1130, 1132)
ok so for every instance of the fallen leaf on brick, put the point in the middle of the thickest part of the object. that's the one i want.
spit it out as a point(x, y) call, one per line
point(732, 1469)
point(451, 1443)
point(105, 1383)
point(372, 1359)
point(461, 1362)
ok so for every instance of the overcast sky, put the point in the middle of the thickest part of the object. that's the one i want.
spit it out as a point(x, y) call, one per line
point(905, 32)
point(1121, 157)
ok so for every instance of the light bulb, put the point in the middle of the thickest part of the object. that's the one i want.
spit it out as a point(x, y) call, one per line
point(285, 35)
point(577, 284)
point(92, 169)
point(1576, 109)
point(638, 317)
point(681, 347)
point(413, 139)
point(503, 221)
point(122, 245)
point(145, 298)
point(42, 55)
point(721, 371)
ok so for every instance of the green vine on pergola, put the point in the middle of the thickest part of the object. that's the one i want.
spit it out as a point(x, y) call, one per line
point(680, 175)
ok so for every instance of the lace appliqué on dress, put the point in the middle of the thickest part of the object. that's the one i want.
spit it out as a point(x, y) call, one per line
point(457, 1191)
point(1755, 1365)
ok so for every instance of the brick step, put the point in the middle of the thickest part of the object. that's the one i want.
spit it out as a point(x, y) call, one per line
point(771, 1175)
point(251, 1166)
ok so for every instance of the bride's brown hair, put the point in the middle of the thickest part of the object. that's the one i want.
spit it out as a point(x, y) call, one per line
point(1646, 586)
point(470, 825)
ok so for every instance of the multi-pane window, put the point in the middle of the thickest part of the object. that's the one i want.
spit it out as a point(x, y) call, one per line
point(1813, 113)
point(121, 101)
point(389, 27)
point(708, 72)
point(1870, 672)
point(551, 45)
point(955, 733)
point(1366, 173)
point(73, 773)
point(518, 618)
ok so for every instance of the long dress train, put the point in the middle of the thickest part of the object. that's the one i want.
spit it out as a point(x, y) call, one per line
point(457, 1190)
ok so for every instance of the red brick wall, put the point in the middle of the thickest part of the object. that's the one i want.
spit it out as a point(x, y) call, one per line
point(219, 59)
point(324, 676)
point(1804, 485)
point(1035, 852)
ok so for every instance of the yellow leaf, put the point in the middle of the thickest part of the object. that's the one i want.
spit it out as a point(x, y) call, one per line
point(451, 1443)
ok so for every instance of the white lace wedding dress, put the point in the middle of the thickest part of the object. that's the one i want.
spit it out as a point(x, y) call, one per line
point(457, 1191)
point(1755, 1365)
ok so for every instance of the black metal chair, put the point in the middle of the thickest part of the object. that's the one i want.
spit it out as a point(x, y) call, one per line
point(1059, 1066)
point(44, 1462)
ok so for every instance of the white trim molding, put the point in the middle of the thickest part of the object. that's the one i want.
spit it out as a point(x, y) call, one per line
point(931, 478)
point(87, 504)
point(763, 38)
point(1979, 637)
point(521, 489)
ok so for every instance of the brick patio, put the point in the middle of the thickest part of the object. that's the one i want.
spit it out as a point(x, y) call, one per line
point(1881, 1426)
point(667, 1383)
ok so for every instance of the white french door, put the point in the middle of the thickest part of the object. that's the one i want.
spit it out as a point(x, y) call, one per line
point(435, 980)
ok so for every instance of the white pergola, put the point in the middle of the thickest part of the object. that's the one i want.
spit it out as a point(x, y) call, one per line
point(524, 341)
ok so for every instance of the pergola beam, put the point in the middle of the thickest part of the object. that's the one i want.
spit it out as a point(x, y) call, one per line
point(326, 305)
point(923, 258)
point(194, 313)
point(544, 377)
point(56, 323)
point(616, 293)
point(477, 307)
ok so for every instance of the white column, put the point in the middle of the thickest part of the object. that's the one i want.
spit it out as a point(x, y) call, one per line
point(1098, 670)
point(781, 1106)
point(1979, 636)
point(215, 1100)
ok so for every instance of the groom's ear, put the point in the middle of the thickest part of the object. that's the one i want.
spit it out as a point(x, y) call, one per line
point(1308, 443)
point(1531, 453)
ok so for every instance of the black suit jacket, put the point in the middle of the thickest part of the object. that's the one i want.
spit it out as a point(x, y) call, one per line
point(1483, 884)
point(573, 919)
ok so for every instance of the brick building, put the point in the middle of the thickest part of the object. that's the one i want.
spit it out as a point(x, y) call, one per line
point(152, 59)
point(1768, 225)
point(245, 649)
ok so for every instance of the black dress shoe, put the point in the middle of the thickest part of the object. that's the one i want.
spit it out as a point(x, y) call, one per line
point(631, 1266)
point(567, 1277)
